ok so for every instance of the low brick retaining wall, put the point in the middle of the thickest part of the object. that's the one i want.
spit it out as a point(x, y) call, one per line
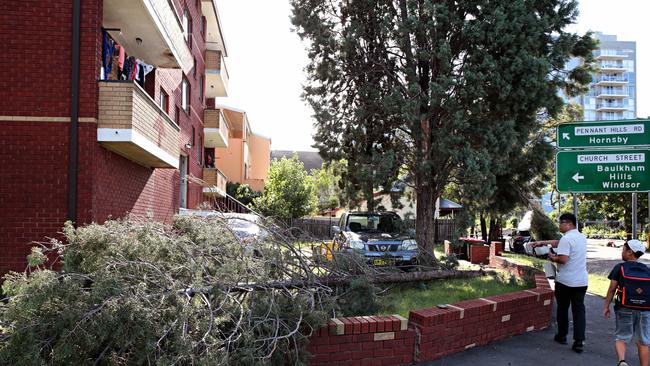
point(432, 333)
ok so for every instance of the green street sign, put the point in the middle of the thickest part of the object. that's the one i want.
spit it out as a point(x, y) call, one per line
point(597, 171)
point(611, 134)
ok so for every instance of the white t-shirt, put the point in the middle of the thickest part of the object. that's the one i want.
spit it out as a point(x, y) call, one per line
point(574, 272)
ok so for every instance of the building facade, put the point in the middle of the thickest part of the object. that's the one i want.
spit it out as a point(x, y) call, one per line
point(130, 137)
point(612, 93)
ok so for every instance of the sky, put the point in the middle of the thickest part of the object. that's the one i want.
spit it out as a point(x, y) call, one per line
point(266, 62)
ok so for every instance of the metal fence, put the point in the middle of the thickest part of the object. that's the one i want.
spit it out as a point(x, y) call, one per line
point(321, 228)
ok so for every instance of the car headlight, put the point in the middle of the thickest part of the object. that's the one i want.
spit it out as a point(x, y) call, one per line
point(357, 244)
point(409, 244)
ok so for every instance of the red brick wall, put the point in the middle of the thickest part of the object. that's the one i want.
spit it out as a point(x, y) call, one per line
point(35, 73)
point(432, 333)
point(479, 254)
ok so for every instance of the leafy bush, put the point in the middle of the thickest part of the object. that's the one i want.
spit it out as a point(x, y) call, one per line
point(543, 228)
point(135, 293)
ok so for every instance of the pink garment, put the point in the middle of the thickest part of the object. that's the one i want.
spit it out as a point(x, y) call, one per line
point(121, 58)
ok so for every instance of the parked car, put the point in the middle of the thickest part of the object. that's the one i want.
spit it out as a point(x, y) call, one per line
point(381, 237)
point(518, 240)
point(247, 227)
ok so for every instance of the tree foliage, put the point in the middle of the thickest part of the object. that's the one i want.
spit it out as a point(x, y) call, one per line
point(242, 193)
point(288, 192)
point(327, 185)
point(458, 83)
point(137, 293)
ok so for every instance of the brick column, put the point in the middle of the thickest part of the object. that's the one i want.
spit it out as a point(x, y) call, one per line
point(496, 248)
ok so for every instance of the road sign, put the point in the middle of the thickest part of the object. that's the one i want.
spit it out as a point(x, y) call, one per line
point(598, 171)
point(610, 134)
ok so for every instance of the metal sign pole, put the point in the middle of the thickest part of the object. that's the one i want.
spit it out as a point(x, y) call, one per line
point(575, 208)
point(634, 209)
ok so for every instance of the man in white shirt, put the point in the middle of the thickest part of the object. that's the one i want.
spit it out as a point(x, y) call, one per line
point(570, 280)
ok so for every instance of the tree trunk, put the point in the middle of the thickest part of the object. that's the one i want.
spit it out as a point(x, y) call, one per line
point(484, 232)
point(424, 228)
point(370, 198)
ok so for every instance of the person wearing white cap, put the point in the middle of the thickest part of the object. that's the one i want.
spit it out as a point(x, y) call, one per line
point(630, 281)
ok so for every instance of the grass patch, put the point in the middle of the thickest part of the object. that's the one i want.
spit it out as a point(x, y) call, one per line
point(598, 282)
point(402, 299)
point(525, 260)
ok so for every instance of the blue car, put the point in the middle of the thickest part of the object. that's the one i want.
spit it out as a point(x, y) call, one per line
point(381, 237)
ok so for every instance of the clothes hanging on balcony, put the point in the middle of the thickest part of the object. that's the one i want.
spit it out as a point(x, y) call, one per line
point(121, 57)
point(143, 70)
point(108, 49)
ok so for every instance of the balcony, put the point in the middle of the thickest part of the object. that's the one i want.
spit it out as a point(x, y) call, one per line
point(131, 124)
point(214, 40)
point(612, 67)
point(612, 80)
point(609, 55)
point(149, 30)
point(611, 93)
point(611, 107)
point(215, 182)
point(215, 128)
point(216, 75)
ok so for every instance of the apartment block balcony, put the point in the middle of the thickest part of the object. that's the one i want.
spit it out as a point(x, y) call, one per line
point(609, 55)
point(132, 124)
point(149, 30)
point(612, 66)
point(611, 107)
point(215, 182)
point(215, 128)
point(611, 93)
point(216, 75)
point(612, 80)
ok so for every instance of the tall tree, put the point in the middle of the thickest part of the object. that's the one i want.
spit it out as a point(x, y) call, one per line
point(464, 79)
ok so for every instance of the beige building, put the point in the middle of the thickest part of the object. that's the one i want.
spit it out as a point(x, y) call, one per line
point(238, 155)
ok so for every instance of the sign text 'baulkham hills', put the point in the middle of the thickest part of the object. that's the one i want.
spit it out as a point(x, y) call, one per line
point(612, 134)
point(603, 171)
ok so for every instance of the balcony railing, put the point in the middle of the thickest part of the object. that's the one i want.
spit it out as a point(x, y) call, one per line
point(618, 79)
point(131, 124)
point(215, 182)
point(609, 55)
point(611, 106)
point(215, 128)
point(149, 30)
point(216, 75)
point(612, 93)
point(613, 66)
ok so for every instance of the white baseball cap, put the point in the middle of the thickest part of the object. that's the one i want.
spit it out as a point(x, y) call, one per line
point(636, 246)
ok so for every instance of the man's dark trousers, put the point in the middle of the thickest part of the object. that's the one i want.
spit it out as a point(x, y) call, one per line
point(575, 297)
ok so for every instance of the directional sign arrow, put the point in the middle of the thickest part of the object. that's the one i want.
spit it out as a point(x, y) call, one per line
point(577, 177)
point(565, 136)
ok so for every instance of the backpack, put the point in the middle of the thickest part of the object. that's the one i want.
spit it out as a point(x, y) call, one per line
point(634, 286)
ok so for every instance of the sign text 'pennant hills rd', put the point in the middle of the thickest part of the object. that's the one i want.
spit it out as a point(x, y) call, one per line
point(610, 134)
point(595, 171)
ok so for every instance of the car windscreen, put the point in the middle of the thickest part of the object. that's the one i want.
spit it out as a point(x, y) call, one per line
point(369, 223)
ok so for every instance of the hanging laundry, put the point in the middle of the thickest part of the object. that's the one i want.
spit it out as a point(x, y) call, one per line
point(143, 70)
point(121, 57)
point(108, 49)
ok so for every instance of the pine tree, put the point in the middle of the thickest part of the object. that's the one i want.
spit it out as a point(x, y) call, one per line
point(459, 83)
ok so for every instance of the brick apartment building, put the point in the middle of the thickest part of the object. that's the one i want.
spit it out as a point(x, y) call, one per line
point(131, 136)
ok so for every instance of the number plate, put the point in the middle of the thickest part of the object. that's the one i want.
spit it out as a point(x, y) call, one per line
point(382, 262)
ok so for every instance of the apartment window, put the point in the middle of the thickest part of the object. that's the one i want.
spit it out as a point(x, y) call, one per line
point(164, 101)
point(192, 138)
point(194, 68)
point(187, 28)
point(201, 88)
point(199, 151)
point(185, 95)
point(177, 115)
point(203, 26)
